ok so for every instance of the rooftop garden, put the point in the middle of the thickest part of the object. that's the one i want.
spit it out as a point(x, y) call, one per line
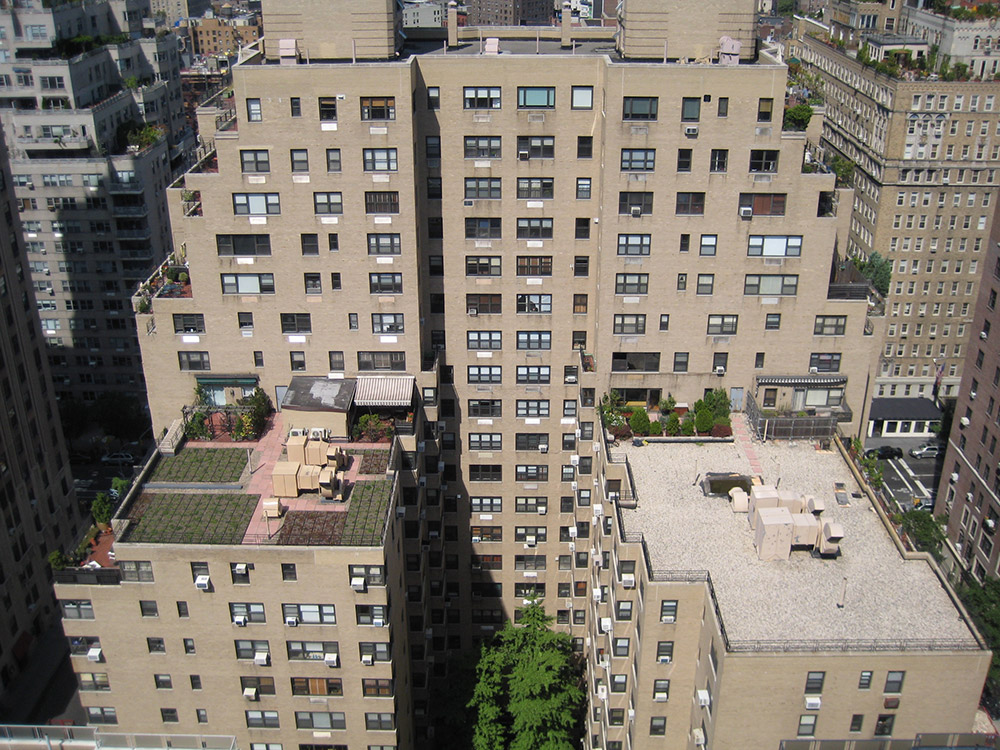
point(373, 461)
point(215, 465)
point(367, 507)
point(190, 518)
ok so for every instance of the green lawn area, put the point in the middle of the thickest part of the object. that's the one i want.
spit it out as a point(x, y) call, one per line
point(219, 465)
point(175, 518)
point(366, 511)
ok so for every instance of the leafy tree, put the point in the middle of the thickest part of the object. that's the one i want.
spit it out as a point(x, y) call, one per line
point(529, 694)
point(921, 527)
point(844, 169)
point(983, 603)
point(786, 7)
point(673, 424)
point(639, 422)
point(797, 117)
point(878, 270)
point(102, 508)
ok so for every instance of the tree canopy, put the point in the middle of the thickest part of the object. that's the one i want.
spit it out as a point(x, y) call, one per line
point(529, 694)
point(878, 270)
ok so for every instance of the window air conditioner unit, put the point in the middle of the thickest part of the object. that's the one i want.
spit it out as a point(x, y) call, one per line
point(570, 379)
point(813, 702)
point(637, 210)
point(94, 653)
point(240, 621)
point(691, 130)
point(368, 659)
point(954, 477)
point(400, 512)
point(531, 541)
point(250, 693)
point(261, 658)
point(631, 714)
point(358, 583)
point(292, 622)
point(720, 370)
point(477, 539)
point(668, 619)
point(574, 460)
point(473, 312)
point(296, 432)
point(972, 395)
point(964, 421)
point(331, 660)
point(542, 510)
point(813, 370)
point(202, 583)
point(378, 622)
point(746, 212)
point(664, 659)
point(543, 448)
point(983, 335)
point(605, 624)
point(574, 486)
point(699, 736)
point(422, 482)
point(969, 497)
point(595, 593)
point(573, 532)
point(523, 155)
point(572, 546)
point(660, 697)
point(240, 569)
point(628, 580)
point(602, 692)
point(704, 699)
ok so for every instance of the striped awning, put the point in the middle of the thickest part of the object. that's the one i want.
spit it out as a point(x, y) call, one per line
point(806, 380)
point(384, 390)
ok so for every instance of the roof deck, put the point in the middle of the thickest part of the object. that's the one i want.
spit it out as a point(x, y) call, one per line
point(209, 494)
point(780, 603)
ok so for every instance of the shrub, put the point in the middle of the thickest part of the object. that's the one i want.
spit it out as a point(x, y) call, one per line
point(639, 422)
point(58, 560)
point(196, 428)
point(655, 428)
point(722, 422)
point(797, 117)
point(687, 426)
point(703, 420)
point(667, 404)
point(673, 424)
point(371, 428)
point(102, 508)
point(183, 277)
point(721, 430)
point(620, 431)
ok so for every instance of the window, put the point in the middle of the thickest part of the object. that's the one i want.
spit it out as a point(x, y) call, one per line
point(631, 283)
point(379, 159)
point(382, 688)
point(533, 374)
point(857, 721)
point(163, 682)
point(684, 160)
point(629, 324)
point(775, 246)
point(482, 147)
point(894, 682)
point(772, 321)
point(483, 304)
point(583, 188)
point(682, 282)
point(377, 721)
point(193, 361)
point(691, 109)
point(722, 325)
point(101, 715)
point(482, 265)
point(328, 109)
point(764, 204)
point(584, 147)
point(297, 361)
point(479, 407)
point(77, 609)
point(824, 362)
point(883, 725)
point(644, 159)
point(156, 646)
point(482, 187)
point(333, 160)
point(310, 614)
point(536, 97)
point(385, 283)
point(635, 203)
point(534, 340)
point(384, 244)
point(690, 204)
point(770, 397)
point(719, 160)
point(830, 325)
point(634, 244)
point(310, 650)
point(368, 361)
point(635, 362)
point(581, 266)
point(530, 188)
point(814, 682)
point(387, 323)
point(532, 408)
point(253, 110)
point(484, 374)
point(639, 107)
point(255, 161)
point(531, 473)
point(865, 681)
point(534, 229)
point(763, 160)
point(288, 571)
point(243, 244)
point(336, 363)
point(771, 284)
point(709, 243)
point(189, 323)
point(765, 108)
point(296, 323)
point(582, 97)
point(482, 229)
point(533, 304)
point(481, 97)
point(327, 203)
point(256, 204)
point(807, 725)
point(536, 147)
point(706, 283)
point(378, 108)
point(309, 244)
point(381, 202)
point(433, 97)
point(579, 304)
point(582, 231)
point(93, 681)
point(295, 104)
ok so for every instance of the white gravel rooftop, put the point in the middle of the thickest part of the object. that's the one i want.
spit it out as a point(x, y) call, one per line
point(887, 597)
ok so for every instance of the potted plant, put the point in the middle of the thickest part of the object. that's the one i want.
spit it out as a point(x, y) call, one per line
point(102, 510)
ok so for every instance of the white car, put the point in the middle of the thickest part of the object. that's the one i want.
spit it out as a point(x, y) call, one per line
point(927, 450)
point(118, 458)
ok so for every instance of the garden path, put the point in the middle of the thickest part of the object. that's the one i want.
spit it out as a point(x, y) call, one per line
point(741, 431)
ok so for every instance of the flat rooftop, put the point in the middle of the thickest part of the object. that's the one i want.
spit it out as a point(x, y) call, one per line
point(887, 597)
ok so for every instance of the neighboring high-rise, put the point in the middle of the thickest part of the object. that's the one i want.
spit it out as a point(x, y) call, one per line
point(510, 12)
point(477, 243)
point(94, 120)
point(37, 501)
point(926, 151)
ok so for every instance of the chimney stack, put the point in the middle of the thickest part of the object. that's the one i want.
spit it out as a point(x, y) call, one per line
point(566, 25)
point(453, 23)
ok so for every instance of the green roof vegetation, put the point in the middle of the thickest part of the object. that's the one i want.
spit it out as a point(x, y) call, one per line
point(368, 505)
point(215, 465)
point(190, 518)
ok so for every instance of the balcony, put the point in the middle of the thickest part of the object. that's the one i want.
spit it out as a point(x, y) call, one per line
point(808, 423)
point(130, 187)
point(170, 279)
point(136, 211)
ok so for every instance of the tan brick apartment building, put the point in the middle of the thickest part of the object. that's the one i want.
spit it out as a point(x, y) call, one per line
point(519, 233)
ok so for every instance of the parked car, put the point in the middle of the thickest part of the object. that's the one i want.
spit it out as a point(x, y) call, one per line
point(118, 458)
point(885, 452)
point(927, 450)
